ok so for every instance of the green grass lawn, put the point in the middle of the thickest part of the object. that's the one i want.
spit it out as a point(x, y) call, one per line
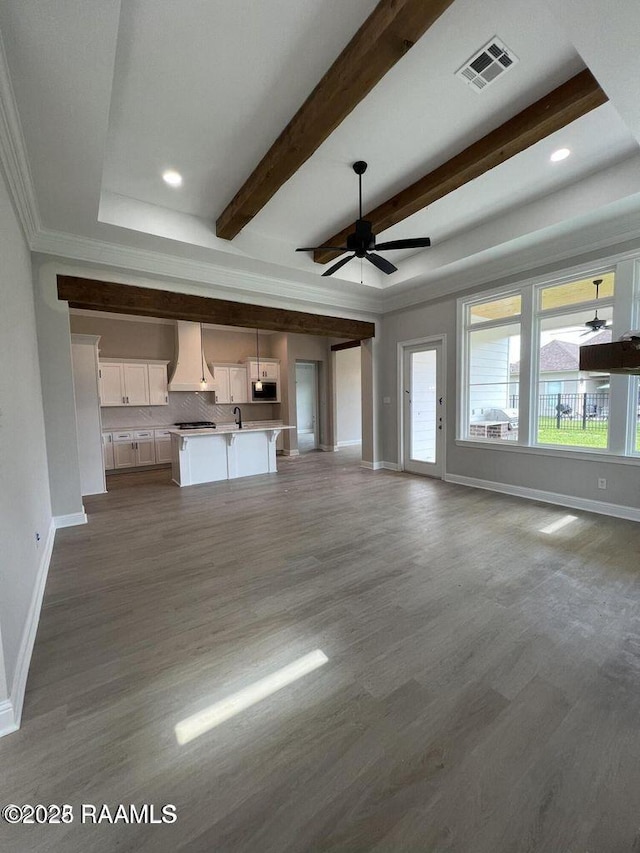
point(571, 433)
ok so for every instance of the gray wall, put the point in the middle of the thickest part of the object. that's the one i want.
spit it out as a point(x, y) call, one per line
point(25, 507)
point(562, 475)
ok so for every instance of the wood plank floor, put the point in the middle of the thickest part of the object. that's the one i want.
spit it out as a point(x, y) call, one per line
point(481, 695)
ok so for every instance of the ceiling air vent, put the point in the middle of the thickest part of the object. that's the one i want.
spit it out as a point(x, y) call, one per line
point(485, 66)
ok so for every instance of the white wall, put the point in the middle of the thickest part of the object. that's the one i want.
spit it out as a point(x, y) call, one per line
point(348, 393)
point(25, 507)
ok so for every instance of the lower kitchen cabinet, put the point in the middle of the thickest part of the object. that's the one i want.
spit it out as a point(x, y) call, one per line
point(107, 450)
point(163, 445)
point(134, 448)
point(124, 454)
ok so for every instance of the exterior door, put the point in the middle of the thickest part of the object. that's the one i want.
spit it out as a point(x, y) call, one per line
point(423, 410)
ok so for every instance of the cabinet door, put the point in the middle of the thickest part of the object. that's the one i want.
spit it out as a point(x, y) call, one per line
point(238, 385)
point(163, 449)
point(223, 390)
point(136, 384)
point(124, 454)
point(107, 451)
point(111, 385)
point(270, 370)
point(145, 452)
point(158, 393)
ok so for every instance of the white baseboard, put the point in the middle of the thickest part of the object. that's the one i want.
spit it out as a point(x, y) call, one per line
point(70, 520)
point(329, 448)
point(629, 513)
point(391, 466)
point(7, 718)
point(11, 709)
point(371, 466)
point(291, 453)
point(350, 443)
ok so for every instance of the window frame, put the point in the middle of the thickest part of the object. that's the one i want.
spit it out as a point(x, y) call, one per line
point(626, 313)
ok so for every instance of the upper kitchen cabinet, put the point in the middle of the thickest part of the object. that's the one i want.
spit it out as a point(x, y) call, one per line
point(133, 383)
point(230, 383)
point(158, 394)
point(265, 369)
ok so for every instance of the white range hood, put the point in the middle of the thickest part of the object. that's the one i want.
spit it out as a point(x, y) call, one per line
point(190, 364)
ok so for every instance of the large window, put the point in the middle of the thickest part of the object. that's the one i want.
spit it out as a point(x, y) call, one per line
point(493, 345)
point(521, 377)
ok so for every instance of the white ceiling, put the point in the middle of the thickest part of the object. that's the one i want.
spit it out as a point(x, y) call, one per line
point(109, 95)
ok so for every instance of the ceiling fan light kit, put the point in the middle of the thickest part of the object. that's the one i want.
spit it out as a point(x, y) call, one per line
point(596, 324)
point(362, 242)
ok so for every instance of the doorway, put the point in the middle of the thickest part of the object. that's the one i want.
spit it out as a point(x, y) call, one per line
point(422, 387)
point(307, 405)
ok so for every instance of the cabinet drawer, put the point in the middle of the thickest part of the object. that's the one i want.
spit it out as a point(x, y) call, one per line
point(143, 433)
point(162, 433)
point(123, 436)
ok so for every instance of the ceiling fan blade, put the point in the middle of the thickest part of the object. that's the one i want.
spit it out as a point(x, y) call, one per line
point(382, 263)
point(411, 243)
point(316, 248)
point(337, 266)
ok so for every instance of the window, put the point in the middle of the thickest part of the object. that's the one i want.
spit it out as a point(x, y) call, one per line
point(521, 379)
point(572, 407)
point(493, 356)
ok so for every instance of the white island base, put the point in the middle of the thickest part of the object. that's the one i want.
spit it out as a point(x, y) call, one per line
point(209, 455)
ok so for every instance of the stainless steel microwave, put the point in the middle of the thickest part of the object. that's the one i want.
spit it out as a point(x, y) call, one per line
point(267, 394)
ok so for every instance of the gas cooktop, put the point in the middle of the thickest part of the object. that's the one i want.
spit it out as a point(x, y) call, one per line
point(197, 425)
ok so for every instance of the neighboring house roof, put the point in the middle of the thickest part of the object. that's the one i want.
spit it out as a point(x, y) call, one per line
point(558, 356)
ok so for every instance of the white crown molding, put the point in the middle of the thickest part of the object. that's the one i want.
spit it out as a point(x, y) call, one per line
point(228, 283)
point(13, 155)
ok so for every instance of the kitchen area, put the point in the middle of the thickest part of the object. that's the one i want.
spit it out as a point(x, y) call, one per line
point(204, 402)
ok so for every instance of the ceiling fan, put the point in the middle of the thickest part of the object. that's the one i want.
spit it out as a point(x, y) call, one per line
point(597, 323)
point(362, 242)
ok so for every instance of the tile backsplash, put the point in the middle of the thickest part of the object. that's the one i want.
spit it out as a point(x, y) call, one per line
point(185, 406)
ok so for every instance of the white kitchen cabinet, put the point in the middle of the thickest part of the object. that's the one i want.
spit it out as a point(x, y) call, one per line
point(111, 384)
point(133, 383)
point(265, 370)
point(238, 385)
point(124, 452)
point(136, 384)
point(144, 447)
point(222, 389)
point(158, 393)
point(107, 451)
point(163, 445)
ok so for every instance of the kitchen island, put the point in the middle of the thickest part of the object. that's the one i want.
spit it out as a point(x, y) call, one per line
point(223, 453)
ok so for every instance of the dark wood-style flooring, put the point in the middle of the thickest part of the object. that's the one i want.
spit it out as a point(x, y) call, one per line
point(481, 695)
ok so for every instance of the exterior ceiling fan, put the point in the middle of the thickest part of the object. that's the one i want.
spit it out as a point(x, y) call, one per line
point(362, 242)
point(597, 323)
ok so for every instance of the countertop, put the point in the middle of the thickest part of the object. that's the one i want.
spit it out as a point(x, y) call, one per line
point(224, 429)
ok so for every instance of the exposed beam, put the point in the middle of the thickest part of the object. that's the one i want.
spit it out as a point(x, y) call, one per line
point(568, 102)
point(345, 345)
point(388, 33)
point(149, 302)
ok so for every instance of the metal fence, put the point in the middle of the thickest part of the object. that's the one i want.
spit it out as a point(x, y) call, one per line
point(571, 411)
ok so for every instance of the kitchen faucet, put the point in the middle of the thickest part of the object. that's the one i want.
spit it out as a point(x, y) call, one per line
point(239, 419)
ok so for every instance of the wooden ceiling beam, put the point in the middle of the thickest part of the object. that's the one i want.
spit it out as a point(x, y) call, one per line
point(97, 295)
point(385, 37)
point(565, 104)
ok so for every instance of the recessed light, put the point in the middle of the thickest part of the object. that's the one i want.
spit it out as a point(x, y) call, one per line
point(173, 178)
point(560, 154)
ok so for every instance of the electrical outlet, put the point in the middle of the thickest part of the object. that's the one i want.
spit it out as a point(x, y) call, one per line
point(602, 483)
